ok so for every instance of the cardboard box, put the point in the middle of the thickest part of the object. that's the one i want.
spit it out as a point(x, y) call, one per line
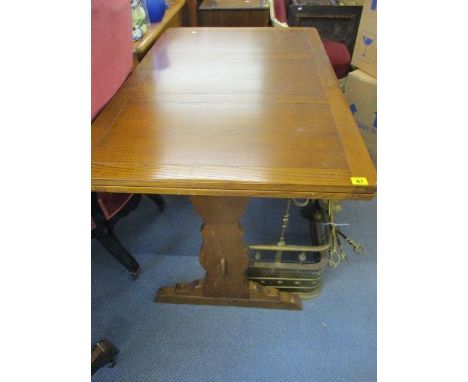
point(361, 94)
point(365, 50)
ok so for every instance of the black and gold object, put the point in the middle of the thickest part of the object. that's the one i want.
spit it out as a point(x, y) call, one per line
point(294, 268)
point(103, 353)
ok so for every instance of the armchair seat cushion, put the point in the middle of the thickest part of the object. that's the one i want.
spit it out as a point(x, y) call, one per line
point(112, 203)
point(339, 57)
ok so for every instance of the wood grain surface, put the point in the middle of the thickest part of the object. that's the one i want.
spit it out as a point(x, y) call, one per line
point(232, 112)
point(234, 18)
point(223, 253)
point(234, 4)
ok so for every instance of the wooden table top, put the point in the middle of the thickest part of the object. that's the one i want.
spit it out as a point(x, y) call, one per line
point(232, 111)
point(213, 5)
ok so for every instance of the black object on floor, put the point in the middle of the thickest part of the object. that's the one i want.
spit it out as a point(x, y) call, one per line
point(103, 354)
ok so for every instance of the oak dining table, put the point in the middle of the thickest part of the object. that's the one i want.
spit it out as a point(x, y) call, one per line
point(222, 115)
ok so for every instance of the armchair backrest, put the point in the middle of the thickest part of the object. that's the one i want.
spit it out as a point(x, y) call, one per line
point(111, 49)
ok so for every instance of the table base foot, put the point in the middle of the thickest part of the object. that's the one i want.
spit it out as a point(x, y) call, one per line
point(259, 297)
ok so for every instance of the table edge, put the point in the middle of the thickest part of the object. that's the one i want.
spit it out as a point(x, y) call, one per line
point(355, 195)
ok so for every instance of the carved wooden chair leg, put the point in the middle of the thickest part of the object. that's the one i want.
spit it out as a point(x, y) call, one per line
point(103, 232)
point(158, 200)
point(103, 354)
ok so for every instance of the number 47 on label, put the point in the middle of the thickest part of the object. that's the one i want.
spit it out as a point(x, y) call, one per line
point(359, 181)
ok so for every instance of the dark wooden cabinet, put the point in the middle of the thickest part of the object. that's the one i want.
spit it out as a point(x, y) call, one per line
point(333, 22)
point(234, 13)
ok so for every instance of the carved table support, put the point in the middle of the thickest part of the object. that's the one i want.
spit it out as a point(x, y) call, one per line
point(224, 256)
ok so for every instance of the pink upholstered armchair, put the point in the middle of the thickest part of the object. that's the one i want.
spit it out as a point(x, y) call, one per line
point(111, 63)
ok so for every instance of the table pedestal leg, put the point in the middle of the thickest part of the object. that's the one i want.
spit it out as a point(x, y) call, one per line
point(224, 256)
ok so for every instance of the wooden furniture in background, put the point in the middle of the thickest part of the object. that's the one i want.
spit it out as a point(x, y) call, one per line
point(224, 114)
point(333, 22)
point(172, 18)
point(234, 13)
point(192, 12)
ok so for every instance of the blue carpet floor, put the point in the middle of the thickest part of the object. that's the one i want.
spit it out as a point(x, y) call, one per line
point(332, 339)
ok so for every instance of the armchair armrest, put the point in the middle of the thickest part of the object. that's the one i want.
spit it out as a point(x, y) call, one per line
point(172, 18)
